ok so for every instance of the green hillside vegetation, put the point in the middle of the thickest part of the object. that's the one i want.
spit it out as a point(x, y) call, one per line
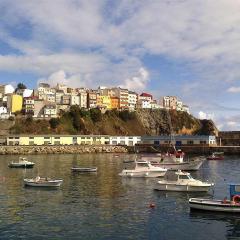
point(113, 122)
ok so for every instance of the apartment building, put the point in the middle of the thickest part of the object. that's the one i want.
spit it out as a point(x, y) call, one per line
point(132, 100)
point(122, 94)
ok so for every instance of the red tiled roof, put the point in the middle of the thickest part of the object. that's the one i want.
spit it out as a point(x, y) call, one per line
point(146, 95)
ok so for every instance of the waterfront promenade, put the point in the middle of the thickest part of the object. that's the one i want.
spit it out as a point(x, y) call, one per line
point(71, 149)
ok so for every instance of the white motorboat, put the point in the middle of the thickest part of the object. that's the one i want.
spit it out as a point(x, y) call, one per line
point(144, 169)
point(184, 182)
point(42, 182)
point(84, 169)
point(225, 205)
point(214, 205)
point(21, 163)
point(175, 161)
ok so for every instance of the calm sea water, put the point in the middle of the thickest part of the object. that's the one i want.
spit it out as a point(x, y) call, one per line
point(105, 206)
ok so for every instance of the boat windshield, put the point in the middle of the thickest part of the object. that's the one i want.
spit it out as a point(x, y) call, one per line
point(142, 164)
point(184, 177)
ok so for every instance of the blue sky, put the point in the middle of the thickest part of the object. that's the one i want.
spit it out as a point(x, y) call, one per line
point(187, 48)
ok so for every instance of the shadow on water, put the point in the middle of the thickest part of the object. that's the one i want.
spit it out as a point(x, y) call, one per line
point(231, 221)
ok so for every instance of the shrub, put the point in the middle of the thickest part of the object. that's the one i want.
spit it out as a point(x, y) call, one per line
point(126, 115)
point(54, 122)
point(11, 118)
point(96, 115)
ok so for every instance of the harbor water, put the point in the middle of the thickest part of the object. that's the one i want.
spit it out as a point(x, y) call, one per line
point(103, 205)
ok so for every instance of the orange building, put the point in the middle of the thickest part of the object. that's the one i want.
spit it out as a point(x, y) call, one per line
point(114, 102)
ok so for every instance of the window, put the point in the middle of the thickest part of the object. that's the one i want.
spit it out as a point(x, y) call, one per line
point(190, 142)
point(31, 137)
point(57, 137)
point(31, 142)
point(183, 177)
point(46, 137)
point(203, 142)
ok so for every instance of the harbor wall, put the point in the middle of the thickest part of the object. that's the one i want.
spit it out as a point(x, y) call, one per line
point(200, 150)
point(24, 150)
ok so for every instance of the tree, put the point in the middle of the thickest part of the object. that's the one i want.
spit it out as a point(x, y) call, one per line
point(54, 122)
point(21, 86)
point(96, 115)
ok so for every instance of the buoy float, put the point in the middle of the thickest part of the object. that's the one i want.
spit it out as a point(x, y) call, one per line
point(151, 205)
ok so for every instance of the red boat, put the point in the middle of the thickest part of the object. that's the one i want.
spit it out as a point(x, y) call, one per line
point(216, 156)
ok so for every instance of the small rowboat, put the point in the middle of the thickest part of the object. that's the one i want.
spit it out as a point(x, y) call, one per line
point(214, 205)
point(84, 169)
point(229, 206)
point(42, 182)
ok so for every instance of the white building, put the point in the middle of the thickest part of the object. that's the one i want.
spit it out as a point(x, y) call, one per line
point(125, 140)
point(155, 105)
point(83, 99)
point(50, 111)
point(179, 106)
point(62, 87)
point(44, 90)
point(75, 100)
point(58, 96)
point(132, 100)
point(143, 104)
point(185, 108)
point(146, 97)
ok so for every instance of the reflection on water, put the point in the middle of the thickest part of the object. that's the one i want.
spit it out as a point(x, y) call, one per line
point(103, 205)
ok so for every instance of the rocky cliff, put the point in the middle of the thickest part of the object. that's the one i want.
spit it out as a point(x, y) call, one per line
point(141, 122)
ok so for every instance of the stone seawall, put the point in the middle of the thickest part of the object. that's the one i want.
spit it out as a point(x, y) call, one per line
point(201, 150)
point(61, 149)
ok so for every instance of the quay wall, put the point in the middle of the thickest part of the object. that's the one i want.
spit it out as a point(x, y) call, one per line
point(24, 150)
point(201, 150)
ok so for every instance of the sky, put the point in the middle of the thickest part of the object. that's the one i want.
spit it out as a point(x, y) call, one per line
point(187, 48)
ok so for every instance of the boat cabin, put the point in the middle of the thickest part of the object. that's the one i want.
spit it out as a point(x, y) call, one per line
point(183, 175)
point(234, 190)
point(142, 164)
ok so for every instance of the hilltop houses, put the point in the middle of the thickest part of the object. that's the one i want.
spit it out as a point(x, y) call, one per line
point(47, 101)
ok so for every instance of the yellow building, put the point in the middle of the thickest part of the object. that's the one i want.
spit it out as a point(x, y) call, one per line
point(15, 103)
point(57, 139)
point(104, 101)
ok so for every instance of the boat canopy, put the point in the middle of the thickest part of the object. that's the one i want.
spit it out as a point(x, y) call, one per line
point(234, 189)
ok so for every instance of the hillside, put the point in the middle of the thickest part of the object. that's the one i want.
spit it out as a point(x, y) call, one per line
point(141, 122)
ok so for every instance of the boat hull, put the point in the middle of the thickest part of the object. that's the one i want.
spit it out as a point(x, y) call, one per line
point(213, 205)
point(186, 166)
point(215, 158)
point(181, 188)
point(143, 174)
point(54, 183)
point(76, 169)
point(16, 165)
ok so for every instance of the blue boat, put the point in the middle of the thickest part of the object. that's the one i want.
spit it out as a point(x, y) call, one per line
point(231, 206)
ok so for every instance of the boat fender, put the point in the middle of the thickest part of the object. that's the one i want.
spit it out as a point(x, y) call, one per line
point(151, 205)
point(236, 199)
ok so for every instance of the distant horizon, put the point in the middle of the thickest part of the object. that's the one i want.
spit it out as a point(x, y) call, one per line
point(189, 49)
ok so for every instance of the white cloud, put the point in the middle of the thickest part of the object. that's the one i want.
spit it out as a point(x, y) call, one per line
point(62, 78)
point(137, 82)
point(234, 89)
